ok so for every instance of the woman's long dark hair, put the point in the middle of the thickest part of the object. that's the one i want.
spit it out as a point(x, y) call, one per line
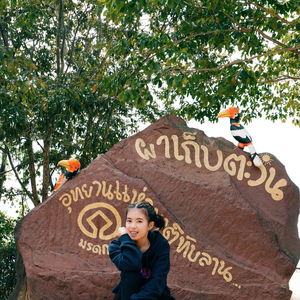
point(150, 212)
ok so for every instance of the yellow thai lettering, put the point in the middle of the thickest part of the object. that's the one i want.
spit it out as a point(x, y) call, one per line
point(107, 193)
point(230, 165)
point(187, 157)
point(275, 191)
point(117, 192)
point(93, 248)
point(261, 179)
point(207, 165)
point(140, 143)
point(175, 231)
point(87, 194)
point(99, 187)
point(165, 139)
point(176, 148)
point(66, 199)
point(233, 164)
point(126, 197)
point(76, 193)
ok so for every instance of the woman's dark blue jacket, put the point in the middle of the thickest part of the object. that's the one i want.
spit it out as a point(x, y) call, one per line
point(153, 264)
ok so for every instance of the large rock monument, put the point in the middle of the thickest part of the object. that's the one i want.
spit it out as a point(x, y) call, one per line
point(232, 227)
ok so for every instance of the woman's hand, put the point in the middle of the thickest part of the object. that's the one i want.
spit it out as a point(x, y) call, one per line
point(122, 230)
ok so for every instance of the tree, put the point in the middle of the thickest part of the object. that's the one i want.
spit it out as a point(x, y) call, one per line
point(208, 54)
point(61, 91)
point(76, 76)
point(7, 256)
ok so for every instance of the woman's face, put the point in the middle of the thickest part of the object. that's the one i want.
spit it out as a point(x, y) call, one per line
point(137, 224)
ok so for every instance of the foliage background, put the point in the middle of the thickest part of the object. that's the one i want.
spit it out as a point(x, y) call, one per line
point(7, 256)
point(77, 76)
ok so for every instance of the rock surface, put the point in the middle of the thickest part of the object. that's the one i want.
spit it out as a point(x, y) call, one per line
point(232, 227)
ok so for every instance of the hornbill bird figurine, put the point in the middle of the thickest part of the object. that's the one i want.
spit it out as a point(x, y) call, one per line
point(240, 133)
point(72, 167)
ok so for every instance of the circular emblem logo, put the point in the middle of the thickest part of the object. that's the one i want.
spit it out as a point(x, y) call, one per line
point(99, 220)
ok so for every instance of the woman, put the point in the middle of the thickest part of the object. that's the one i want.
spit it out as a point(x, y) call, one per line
point(142, 255)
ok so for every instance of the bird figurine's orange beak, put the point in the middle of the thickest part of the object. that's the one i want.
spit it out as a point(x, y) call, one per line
point(230, 112)
point(71, 165)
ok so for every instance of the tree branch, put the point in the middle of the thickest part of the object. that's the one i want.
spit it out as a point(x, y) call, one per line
point(2, 171)
point(87, 140)
point(3, 34)
point(58, 37)
point(10, 170)
point(106, 129)
point(63, 43)
point(72, 46)
point(32, 170)
point(238, 61)
point(205, 33)
point(71, 52)
point(41, 146)
point(6, 149)
point(279, 79)
point(46, 173)
point(271, 12)
point(257, 30)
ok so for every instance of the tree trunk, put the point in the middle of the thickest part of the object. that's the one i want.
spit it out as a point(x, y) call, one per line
point(32, 172)
point(84, 159)
point(60, 40)
point(6, 150)
point(2, 171)
point(46, 173)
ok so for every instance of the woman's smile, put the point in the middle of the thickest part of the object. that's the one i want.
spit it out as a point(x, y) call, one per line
point(133, 233)
point(137, 225)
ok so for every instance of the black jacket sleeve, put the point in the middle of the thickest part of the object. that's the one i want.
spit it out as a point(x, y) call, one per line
point(156, 284)
point(125, 254)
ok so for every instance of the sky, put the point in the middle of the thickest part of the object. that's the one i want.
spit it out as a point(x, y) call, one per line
point(279, 139)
